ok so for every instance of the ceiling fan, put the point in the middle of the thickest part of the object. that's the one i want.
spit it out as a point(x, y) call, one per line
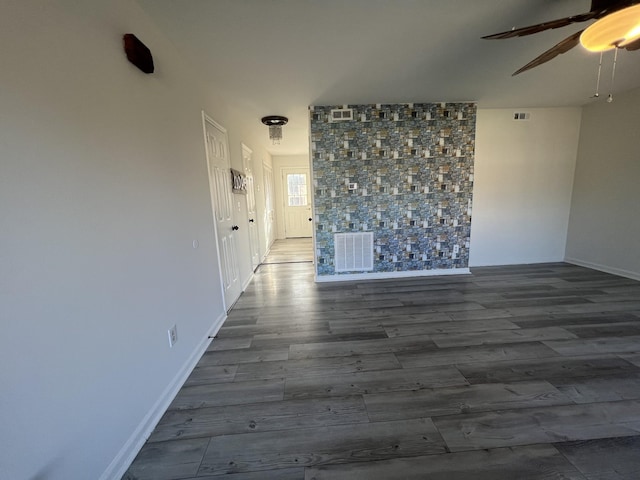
point(599, 10)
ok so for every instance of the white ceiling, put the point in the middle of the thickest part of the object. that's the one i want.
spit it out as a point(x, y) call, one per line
point(277, 57)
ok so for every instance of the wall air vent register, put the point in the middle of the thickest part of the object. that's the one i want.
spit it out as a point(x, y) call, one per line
point(341, 114)
point(354, 252)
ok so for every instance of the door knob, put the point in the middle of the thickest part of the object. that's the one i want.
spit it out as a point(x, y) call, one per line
point(235, 227)
point(251, 220)
point(310, 219)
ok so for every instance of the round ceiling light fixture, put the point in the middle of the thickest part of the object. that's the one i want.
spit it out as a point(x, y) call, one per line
point(275, 124)
point(615, 30)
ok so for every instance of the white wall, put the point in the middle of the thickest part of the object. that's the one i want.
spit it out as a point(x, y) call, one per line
point(280, 162)
point(604, 227)
point(523, 181)
point(103, 189)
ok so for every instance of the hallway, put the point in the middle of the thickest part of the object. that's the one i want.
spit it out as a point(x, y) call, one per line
point(515, 372)
point(290, 250)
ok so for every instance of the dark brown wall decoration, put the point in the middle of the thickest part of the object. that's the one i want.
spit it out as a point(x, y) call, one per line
point(138, 53)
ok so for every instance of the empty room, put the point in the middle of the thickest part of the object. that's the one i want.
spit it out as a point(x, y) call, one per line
point(309, 240)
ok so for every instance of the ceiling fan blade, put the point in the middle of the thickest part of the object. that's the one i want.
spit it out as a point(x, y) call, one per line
point(562, 47)
point(541, 27)
point(611, 5)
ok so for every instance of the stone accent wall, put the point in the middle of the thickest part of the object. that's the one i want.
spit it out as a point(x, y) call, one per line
point(413, 166)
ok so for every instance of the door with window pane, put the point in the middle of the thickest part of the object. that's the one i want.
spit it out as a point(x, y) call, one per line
point(297, 202)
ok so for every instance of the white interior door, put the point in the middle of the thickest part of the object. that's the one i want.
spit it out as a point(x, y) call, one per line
point(218, 162)
point(254, 238)
point(297, 202)
point(269, 207)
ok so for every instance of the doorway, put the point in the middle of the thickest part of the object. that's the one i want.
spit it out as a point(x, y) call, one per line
point(269, 207)
point(217, 150)
point(296, 195)
point(254, 238)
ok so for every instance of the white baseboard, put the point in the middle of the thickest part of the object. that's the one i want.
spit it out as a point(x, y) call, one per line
point(130, 449)
point(266, 254)
point(247, 282)
point(382, 275)
point(604, 268)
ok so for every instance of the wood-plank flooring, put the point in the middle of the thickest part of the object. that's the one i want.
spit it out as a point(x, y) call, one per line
point(291, 250)
point(518, 372)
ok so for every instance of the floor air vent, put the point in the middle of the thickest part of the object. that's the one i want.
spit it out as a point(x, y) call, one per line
point(354, 252)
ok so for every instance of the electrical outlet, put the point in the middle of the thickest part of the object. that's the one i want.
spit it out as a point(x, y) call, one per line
point(173, 335)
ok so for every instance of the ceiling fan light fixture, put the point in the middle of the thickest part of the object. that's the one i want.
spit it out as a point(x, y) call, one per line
point(613, 31)
point(275, 124)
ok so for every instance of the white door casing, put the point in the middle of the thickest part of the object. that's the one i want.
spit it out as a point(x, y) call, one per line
point(218, 162)
point(296, 184)
point(254, 238)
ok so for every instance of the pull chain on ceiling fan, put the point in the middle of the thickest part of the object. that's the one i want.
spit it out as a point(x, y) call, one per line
point(597, 94)
point(613, 77)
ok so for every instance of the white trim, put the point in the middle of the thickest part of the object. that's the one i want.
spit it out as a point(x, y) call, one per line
point(246, 152)
point(246, 284)
point(380, 275)
point(603, 268)
point(266, 254)
point(136, 441)
point(213, 122)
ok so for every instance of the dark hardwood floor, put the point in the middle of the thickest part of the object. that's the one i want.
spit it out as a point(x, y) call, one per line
point(518, 372)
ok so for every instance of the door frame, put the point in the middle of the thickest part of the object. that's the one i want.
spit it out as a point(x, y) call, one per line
point(254, 247)
point(284, 170)
point(269, 201)
point(207, 119)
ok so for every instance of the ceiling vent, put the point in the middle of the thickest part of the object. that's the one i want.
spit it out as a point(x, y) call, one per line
point(341, 114)
point(521, 116)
